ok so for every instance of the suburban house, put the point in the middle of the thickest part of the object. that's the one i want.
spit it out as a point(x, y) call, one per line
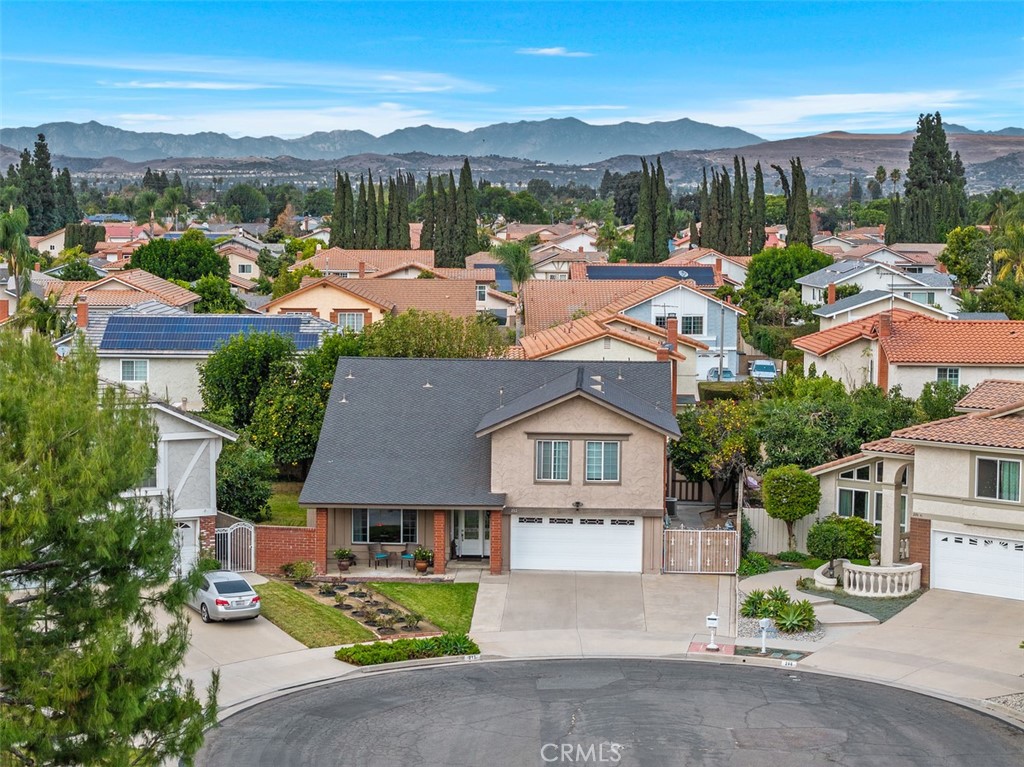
point(946, 494)
point(933, 288)
point(534, 464)
point(904, 348)
point(242, 261)
point(608, 336)
point(158, 348)
point(121, 233)
point(732, 268)
point(354, 304)
point(51, 244)
point(550, 262)
point(358, 263)
point(706, 278)
point(120, 289)
point(500, 305)
point(910, 258)
point(544, 232)
point(866, 303)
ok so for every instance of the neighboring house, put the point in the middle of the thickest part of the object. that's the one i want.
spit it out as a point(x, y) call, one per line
point(51, 244)
point(908, 349)
point(707, 278)
point(552, 262)
point(242, 261)
point(38, 284)
point(545, 233)
point(732, 268)
point(242, 241)
point(932, 288)
point(321, 234)
point(355, 263)
point(121, 289)
point(159, 348)
point(536, 465)
point(607, 336)
point(949, 489)
point(121, 233)
point(577, 241)
point(867, 303)
point(354, 304)
point(909, 258)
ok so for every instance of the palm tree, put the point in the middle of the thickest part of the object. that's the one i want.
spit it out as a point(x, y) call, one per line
point(895, 178)
point(43, 315)
point(515, 257)
point(1010, 253)
point(14, 246)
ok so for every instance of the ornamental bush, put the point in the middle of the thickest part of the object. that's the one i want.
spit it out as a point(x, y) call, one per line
point(407, 649)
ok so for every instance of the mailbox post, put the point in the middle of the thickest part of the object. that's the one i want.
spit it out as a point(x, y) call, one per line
point(765, 625)
point(712, 623)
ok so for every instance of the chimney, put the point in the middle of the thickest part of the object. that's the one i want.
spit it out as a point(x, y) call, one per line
point(579, 249)
point(672, 331)
point(831, 293)
point(82, 313)
point(319, 246)
point(38, 266)
point(718, 264)
point(884, 324)
point(5, 310)
point(362, 269)
point(940, 268)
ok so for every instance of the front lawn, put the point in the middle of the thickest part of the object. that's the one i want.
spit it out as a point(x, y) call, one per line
point(284, 505)
point(449, 606)
point(310, 622)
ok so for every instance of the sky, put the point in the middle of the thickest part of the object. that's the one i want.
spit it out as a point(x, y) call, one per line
point(776, 69)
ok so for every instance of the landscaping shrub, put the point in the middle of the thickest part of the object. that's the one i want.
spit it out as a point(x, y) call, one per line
point(751, 606)
point(754, 564)
point(326, 589)
point(789, 617)
point(836, 537)
point(860, 537)
point(747, 533)
point(791, 556)
point(407, 649)
point(795, 616)
point(301, 572)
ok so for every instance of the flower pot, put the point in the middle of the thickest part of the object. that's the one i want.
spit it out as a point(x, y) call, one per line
point(421, 565)
point(343, 565)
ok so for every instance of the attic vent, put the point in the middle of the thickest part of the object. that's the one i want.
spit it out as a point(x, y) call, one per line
point(596, 378)
point(501, 397)
point(344, 400)
point(597, 388)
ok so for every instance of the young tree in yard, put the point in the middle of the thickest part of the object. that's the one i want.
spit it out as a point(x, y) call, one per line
point(232, 377)
point(93, 647)
point(790, 494)
point(938, 399)
point(967, 256)
point(188, 258)
point(244, 477)
point(515, 257)
point(827, 540)
point(776, 269)
point(217, 297)
point(714, 445)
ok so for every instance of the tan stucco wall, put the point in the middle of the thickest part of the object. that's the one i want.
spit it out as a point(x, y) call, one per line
point(642, 460)
point(912, 378)
point(234, 260)
point(172, 380)
point(324, 299)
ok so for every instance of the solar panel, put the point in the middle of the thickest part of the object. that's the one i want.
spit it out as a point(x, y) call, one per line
point(501, 276)
point(702, 275)
point(197, 332)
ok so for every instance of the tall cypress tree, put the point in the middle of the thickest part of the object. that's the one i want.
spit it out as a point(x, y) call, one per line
point(68, 211)
point(401, 202)
point(800, 231)
point(643, 222)
point(337, 214)
point(466, 213)
point(744, 185)
point(361, 214)
point(392, 217)
point(736, 233)
point(705, 212)
point(662, 215)
point(451, 230)
point(349, 235)
point(427, 241)
point(370, 241)
point(758, 214)
point(382, 216)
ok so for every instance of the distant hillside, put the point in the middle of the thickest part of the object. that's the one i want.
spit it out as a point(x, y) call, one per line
point(567, 140)
point(952, 128)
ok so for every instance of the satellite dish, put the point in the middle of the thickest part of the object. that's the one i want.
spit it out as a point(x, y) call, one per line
point(63, 350)
point(683, 273)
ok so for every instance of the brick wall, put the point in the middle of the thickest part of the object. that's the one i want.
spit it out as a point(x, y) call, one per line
point(207, 536)
point(921, 546)
point(496, 541)
point(278, 545)
point(440, 541)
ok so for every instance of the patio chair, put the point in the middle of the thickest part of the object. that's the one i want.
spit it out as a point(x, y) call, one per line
point(377, 556)
point(406, 557)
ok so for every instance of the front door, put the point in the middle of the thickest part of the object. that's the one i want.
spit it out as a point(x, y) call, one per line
point(471, 543)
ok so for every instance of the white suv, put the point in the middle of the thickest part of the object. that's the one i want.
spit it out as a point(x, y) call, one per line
point(764, 370)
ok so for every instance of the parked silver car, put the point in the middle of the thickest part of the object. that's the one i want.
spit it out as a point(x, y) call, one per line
point(225, 596)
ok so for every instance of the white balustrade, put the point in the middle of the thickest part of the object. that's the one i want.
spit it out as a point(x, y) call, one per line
point(875, 581)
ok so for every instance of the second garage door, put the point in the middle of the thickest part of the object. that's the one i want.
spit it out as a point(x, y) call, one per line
point(601, 544)
point(977, 564)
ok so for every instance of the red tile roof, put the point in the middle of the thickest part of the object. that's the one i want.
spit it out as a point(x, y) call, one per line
point(991, 394)
point(456, 297)
point(822, 468)
point(142, 284)
point(924, 340)
point(1003, 429)
point(830, 339)
point(547, 303)
point(888, 445)
point(339, 260)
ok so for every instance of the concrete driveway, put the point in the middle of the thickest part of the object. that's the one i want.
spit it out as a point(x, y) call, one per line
point(958, 644)
point(578, 613)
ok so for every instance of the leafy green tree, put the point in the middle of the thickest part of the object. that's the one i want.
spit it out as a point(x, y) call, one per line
point(43, 315)
point(515, 257)
point(90, 671)
point(790, 494)
point(231, 378)
point(14, 247)
point(77, 269)
point(269, 264)
point(289, 280)
point(433, 334)
point(86, 236)
point(938, 399)
point(244, 476)
point(216, 296)
point(318, 202)
point(714, 444)
point(777, 269)
point(252, 203)
point(1010, 254)
point(967, 256)
point(188, 258)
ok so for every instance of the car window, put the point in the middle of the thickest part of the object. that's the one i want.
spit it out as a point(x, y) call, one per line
point(232, 587)
point(205, 585)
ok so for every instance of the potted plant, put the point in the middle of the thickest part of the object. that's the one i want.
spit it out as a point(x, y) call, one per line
point(422, 558)
point(340, 600)
point(301, 573)
point(344, 557)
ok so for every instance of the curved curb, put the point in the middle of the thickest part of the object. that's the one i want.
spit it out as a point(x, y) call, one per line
point(981, 706)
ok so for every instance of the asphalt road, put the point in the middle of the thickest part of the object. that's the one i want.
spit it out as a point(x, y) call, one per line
point(606, 712)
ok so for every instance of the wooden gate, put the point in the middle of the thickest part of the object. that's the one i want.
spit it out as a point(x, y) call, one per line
point(701, 551)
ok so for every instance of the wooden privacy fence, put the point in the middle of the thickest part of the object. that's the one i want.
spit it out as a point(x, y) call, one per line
point(701, 551)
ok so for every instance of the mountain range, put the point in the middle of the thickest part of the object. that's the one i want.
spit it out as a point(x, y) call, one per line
point(566, 141)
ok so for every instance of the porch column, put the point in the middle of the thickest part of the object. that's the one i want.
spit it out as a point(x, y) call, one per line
point(496, 541)
point(889, 545)
point(320, 540)
point(440, 541)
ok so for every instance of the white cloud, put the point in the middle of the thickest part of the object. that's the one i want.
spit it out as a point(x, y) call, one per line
point(188, 85)
point(557, 51)
point(565, 109)
point(143, 117)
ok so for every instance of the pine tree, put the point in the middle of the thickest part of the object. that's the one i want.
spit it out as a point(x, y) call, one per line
point(936, 201)
point(427, 241)
point(758, 214)
point(643, 223)
point(856, 190)
point(37, 189)
point(662, 215)
point(68, 211)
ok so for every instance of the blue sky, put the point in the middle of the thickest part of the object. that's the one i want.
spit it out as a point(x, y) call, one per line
point(290, 68)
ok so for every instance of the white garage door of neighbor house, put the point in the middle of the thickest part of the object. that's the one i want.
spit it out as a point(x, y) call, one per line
point(603, 544)
point(188, 546)
point(978, 565)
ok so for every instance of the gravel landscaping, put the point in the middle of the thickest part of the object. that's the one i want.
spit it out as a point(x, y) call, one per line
point(750, 628)
point(1015, 701)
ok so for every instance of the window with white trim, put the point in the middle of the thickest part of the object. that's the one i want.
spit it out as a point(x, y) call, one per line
point(350, 321)
point(998, 479)
point(879, 470)
point(878, 513)
point(903, 513)
point(135, 371)
point(950, 375)
point(384, 526)
point(481, 292)
point(853, 503)
point(691, 325)
point(860, 474)
point(921, 297)
point(245, 268)
point(552, 460)
point(602, 461)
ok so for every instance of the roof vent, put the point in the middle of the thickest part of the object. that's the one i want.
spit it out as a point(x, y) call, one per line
point(350, 375)
point(598, 388)
point(596, 378)
point(428, 385)
point(344, 399)
point(501, 396)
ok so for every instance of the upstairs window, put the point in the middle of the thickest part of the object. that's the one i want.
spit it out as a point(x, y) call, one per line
point(135, 371)
point(552, 460)
point(691, 325)
point(481, 292)
point(602, 461)
point(952, 375)
point(998, 479)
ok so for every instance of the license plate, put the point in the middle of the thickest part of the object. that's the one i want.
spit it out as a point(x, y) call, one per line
point(239, 603)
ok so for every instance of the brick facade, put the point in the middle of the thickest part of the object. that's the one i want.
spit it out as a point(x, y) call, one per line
point(440, 541)
point(496, 541)
point(278, 545)
point(921, 546)
point(207, 536)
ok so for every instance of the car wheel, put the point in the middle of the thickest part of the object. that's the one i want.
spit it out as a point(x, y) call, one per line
point(204, 614)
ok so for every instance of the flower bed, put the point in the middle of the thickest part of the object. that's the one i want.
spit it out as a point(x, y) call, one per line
point(443, 646)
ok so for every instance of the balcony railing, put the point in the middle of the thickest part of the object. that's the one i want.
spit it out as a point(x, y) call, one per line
point(876, 581)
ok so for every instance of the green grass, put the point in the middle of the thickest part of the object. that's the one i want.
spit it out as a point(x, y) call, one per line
point(284, 505)
point(813, 564)
point(449, 606)
point(310, 622)
point(882, 608)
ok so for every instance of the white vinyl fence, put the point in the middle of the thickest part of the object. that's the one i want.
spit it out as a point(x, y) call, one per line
point(771, 535)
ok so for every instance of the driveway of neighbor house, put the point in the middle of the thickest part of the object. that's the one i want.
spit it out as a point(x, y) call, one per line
point(592, 614)
point(957, 644)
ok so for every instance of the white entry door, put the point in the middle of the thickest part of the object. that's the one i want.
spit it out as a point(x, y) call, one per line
point(472, 531)
point(601, 544)
point(188, 547)
point(978, 564)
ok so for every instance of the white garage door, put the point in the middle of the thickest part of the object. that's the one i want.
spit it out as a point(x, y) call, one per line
point(978, 565)
point(187, 543)
point(603, 544)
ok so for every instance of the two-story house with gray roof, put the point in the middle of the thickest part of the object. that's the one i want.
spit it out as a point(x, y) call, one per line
point(534, 464)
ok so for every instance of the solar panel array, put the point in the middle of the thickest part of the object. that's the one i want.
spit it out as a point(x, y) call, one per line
point(203, 332)
point(501, 276)
point(702, 275)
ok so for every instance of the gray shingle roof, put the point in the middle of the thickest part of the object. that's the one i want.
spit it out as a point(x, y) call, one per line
point(835, 272)
point(389, 439)
point(933, 279)
point(851, 302)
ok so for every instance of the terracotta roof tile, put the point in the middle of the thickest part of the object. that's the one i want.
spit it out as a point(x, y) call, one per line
point(547, 303)
point(339, 260)
point(581, 331)
point(923, 340)
point(137, 281)
point(985, 429)
point(456, 297)
point(888, 445)
point(991, 394)
point(822, 468)
point(830, 339)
